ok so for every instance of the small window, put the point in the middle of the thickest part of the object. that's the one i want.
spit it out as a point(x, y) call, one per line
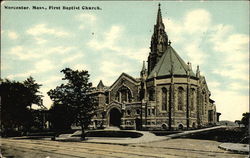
point(138, 112)
point(151, 94)
point(149, 112)
point(153, 111)
point(129, 112)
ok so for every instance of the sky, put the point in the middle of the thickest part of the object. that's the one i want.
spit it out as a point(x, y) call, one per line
point(116, 39)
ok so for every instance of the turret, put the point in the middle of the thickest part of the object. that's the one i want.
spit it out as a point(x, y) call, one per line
point(143, 71)
point(100, 85)
point(198, 72)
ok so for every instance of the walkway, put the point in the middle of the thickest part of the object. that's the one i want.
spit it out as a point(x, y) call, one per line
point(147, 137)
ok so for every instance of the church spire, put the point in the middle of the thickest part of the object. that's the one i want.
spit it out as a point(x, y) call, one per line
point(159, 18)
point(159, 42)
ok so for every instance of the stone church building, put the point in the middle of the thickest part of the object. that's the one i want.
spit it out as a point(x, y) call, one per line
point(167, 95)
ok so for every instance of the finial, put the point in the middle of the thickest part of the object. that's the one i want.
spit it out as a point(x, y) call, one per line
point(198, 71)
point(189, 66)
point(143, 66)
point(159, 4)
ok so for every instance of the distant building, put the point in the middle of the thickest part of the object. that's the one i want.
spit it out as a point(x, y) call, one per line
point(168, 94)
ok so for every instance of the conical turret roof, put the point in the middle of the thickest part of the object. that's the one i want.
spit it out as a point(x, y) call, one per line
point(100, 85)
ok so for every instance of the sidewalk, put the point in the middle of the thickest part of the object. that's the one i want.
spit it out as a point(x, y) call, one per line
point(185, 133)
point(147, 137)
point(235, 147)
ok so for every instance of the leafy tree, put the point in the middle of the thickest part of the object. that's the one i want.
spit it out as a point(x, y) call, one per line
point(76, 95)
point(15, 102)
point(35, 96)
point(61, 117)
point(245, 119)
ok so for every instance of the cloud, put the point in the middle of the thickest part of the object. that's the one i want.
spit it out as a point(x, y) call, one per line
point(238, 86)
point(231, 105)
point(111, 40)
point(39, 67)
point(192, 26)
point(111, 69)
point(189, 33)
point(213, 84)
point(22, 54)
point(234, 48)
point(44, 65)
point(43, 29)
point(22, 75)
point(26, 53)
point(86, 19)
point(12, 35)
point(195, 54)
point(197, 21)
point(232, 74)
point(108, 39)
point(72, 58)
point(51, 80)
point(81, 67)
point(40, 40)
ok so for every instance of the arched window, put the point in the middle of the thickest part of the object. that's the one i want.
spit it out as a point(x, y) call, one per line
point(124, 94)
point(164, 99)
point(192, 99)
point(180, 98)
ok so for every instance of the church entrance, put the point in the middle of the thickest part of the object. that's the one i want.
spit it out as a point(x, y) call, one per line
point(115, 117)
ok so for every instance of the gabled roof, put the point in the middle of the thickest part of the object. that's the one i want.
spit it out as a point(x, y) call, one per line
point(126, 76)
point(170, 61)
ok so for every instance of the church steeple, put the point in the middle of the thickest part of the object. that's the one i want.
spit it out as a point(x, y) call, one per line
point(159, 18)
point(159, 42)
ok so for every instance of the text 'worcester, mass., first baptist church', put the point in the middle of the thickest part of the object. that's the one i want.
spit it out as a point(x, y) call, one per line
point(167, 95)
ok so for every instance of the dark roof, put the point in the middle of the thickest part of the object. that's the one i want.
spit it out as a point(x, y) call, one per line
point(170, 61)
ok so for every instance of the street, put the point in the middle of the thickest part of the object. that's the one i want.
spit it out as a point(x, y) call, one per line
point(26, 148)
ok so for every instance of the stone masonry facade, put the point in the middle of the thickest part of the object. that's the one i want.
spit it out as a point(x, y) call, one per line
point(168, 95)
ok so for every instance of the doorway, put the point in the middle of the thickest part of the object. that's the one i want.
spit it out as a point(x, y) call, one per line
point(115, 117)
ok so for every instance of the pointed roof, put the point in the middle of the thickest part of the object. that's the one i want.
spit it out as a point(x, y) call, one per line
point(170, 63)
point(100, 85)
point(159, 18)
point(143, 66)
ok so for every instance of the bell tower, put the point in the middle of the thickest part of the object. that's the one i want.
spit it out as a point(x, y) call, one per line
point(159, 42)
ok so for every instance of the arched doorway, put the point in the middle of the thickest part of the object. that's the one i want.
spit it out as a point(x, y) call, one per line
point(115, 117)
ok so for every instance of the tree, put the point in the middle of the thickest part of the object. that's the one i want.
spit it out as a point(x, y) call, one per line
point(35, 96)
point(76, 95)
point(61, 117)
point(15, 100)
point(245, 119)
point(237, 122)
